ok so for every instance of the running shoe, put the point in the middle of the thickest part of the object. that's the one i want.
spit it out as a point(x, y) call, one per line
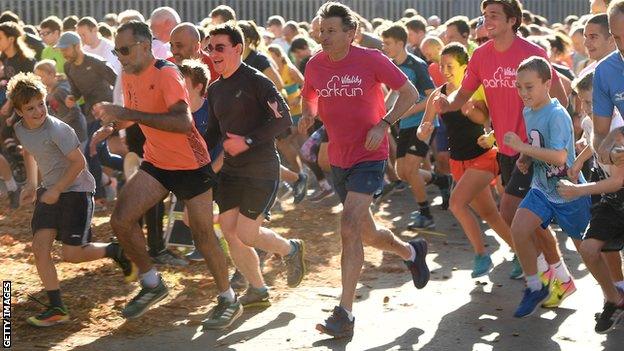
point(167, 257)
point(321, 195)
point(482, 266)
point(296, 267)
point(444, 182)
point(50, 317)
point(548, 277)
point(559, 291)
point(238, 281)
point(418, 268)
point(144, 299)
point(400, 186)
point(531, 301)
point(300, 188)
point(223, 314)
point(516, 269)
point(387, 190)
point(609, 318)
point(129, 269)
point(338, 324)
point(421, 222)
point(194, 256)
point(255, 298)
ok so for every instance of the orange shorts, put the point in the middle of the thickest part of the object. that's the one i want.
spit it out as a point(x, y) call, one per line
point(486, 162)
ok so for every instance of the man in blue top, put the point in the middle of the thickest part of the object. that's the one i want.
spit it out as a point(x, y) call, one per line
point(411, 151)
point(550, 148)
point(608, 91)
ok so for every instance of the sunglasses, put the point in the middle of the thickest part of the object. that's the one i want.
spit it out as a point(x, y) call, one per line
point(124, 50)
point(217, 48)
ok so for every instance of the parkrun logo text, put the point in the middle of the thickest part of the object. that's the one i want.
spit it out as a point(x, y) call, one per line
point(348, 86)
point(503, 78)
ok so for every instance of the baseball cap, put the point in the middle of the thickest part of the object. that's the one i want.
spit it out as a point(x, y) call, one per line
point(67, 39)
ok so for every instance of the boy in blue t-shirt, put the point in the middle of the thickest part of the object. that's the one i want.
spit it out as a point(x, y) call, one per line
point(551, 150)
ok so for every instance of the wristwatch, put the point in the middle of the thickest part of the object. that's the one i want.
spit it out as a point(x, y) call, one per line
point(248, 141)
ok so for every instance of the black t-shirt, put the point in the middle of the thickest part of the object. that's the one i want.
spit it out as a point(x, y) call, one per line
point(462, 135)
point(247, 103)
point(258, 61)
point(17, 64)
point(135, 139)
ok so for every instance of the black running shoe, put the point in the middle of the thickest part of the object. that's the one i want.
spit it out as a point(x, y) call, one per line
point(300, 188)
point(223, 314)
point(129, 269)
point(255, 298)
point(444, 182)
point(609, 318)
point(146, 298)
point(418, 267)
point(338, 324)
point(238, 281)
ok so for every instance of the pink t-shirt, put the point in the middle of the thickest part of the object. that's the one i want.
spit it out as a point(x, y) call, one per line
point(351, 101)
point(496, 71)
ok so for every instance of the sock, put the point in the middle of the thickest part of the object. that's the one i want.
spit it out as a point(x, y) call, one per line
point(424, 209)
point(228, 295)
point(542, 265)
point(293, 248)
point(349, 314)
point(262, 290)
point(11, 185)
point(533, 282)
point(620, 285)
point(55, 298)
point(324, 184)
point(561, 272)
point(111, 251)
point(412, 253)
point(150, 278)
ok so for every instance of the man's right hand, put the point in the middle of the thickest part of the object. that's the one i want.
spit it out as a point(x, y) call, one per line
point(304, 124)
point(100, 135)
point(441, 103)
point(28, 195)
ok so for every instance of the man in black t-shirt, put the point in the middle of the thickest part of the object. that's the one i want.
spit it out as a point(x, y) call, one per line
point(249, 113)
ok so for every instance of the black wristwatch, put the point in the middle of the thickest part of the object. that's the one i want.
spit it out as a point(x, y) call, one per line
point(248, 141)
point(385, 120)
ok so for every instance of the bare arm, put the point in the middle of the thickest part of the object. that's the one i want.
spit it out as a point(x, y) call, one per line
point(557, 91)
point(177, 120)
point(296, 75)
point(419, 106)
point(477, 111)
point(77, 164)
point(457, 99)
point(309, 111)
point(603, 140)
point(407, 96)
point(553, 157)
point(272, 74)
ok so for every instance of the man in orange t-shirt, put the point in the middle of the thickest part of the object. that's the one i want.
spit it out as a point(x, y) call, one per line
point(176, 159)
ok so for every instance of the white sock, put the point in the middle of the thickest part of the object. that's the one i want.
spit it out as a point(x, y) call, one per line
point(412, 253)
point(349, 314)
point(620, 284)
point(561, 271)
point(542, 265)
point(150, 278)
point(228, 294)
point(11, 185)
point(533, 282)
point(324, 184)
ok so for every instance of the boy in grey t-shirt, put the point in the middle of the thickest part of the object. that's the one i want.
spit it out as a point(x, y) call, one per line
point(64, 202)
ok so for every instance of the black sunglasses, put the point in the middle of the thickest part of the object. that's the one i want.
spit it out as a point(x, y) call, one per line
point(124, 50)
point(217, 48)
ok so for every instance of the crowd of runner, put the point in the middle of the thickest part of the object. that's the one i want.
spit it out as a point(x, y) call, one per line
point(512, 118)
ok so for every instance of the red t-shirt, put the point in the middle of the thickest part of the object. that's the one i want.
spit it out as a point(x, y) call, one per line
point(351, 101)
point(206, 60)
point(496, 71)
point(155, 90)
point(436, 75)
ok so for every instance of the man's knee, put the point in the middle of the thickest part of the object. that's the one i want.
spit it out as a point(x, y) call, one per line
point(70, 254)
point(591, 250)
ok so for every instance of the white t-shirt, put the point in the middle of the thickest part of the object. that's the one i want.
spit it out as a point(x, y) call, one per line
point(588, 130)
point(105, 50)
point(161, 50)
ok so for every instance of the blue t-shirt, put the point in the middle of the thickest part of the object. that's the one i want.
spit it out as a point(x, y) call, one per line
point(201, 118)
point(417, 72)
point(551, 128)
point(609, 86)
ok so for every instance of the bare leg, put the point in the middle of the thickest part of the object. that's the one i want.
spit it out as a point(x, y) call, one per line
point(614, 261)
point(590, 250)
point(522, 230)
point(42, 249)
point(139, 194)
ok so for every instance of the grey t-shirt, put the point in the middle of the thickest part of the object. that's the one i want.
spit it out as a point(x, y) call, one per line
point(93, 79)
point(50, 144)
point(72, 116)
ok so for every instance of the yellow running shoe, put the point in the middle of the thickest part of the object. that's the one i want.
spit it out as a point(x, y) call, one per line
point(52, 316)
point(559, 291)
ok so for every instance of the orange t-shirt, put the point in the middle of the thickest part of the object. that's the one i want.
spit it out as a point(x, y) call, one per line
point(155, 90)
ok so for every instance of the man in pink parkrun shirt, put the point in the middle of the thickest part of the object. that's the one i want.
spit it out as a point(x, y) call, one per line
point(343, 87)
point(494, 66)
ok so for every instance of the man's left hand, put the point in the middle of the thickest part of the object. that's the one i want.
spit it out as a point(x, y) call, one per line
point(375, 136)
